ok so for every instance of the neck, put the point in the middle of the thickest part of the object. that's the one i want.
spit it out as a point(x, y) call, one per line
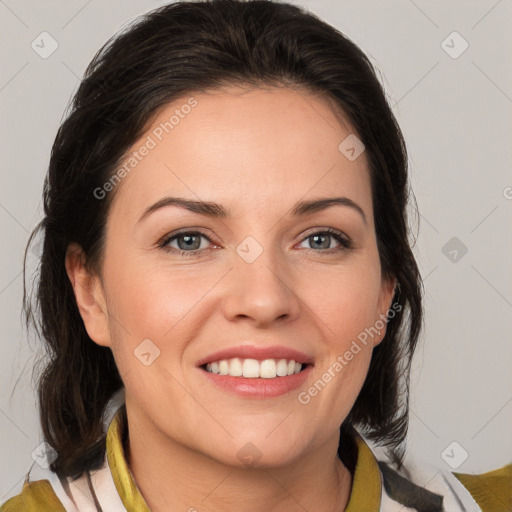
point(170, 476)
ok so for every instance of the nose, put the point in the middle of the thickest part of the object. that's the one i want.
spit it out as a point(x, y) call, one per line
point(262, 291)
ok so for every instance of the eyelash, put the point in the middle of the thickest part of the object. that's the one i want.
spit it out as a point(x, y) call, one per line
point(345, 242)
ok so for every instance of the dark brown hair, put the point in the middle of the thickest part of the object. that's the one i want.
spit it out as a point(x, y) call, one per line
point(171, 51)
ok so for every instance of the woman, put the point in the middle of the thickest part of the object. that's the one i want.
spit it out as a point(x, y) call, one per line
point(227, 291)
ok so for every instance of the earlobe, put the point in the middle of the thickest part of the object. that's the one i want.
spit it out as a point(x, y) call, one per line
point(89, 295)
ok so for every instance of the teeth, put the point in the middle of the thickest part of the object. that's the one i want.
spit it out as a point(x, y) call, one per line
point(235, 367)
point(223, 367)
point(268, 369)
point(282, 368)
point(253, 369)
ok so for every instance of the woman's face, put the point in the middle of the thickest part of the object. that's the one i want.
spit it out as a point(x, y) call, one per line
point(263, 280)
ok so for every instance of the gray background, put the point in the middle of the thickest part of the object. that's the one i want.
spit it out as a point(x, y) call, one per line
point(456, 118)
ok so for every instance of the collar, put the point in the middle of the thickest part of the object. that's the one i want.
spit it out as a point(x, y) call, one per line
point(366, 478)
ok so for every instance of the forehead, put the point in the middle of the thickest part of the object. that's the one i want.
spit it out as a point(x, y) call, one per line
point(244, 148)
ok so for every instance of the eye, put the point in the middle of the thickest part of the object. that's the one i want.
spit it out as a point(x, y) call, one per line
point(322, 240)
point(189, 242)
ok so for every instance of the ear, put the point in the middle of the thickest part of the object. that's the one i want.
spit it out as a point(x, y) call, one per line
point(387, 292)
point(89, 295)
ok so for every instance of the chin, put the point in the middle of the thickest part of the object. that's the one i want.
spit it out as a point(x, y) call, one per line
point(260, 453)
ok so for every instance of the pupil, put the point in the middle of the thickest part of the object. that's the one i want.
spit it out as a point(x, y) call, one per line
point(188, 241)
point(316, 237)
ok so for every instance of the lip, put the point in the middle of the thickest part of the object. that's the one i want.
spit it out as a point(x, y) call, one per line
point(259, 353)
point(258, 387)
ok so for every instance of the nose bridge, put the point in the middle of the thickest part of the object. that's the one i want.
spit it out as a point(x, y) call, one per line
point(259, 285)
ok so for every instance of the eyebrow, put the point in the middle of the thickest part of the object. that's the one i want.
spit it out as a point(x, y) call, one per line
point(216, 210)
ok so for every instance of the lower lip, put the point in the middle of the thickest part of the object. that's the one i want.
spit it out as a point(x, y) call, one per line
point(259, 388)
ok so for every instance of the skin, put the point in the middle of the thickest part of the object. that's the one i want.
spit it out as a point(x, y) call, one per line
point(256, 152)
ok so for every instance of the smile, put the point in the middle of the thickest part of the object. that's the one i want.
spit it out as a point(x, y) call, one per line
point(253, 369)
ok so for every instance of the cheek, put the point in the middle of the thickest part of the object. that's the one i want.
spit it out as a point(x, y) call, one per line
point(348, 310)
point(167, 307)
point(153, 301)
point(347, 302)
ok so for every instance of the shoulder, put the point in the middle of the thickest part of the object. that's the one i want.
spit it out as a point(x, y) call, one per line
point(421, 486)
point(44, 491)
point(37, 495)
point(435, 489)
point(491, 490)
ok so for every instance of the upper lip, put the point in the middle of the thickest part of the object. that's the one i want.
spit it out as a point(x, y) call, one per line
point(259, 353)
